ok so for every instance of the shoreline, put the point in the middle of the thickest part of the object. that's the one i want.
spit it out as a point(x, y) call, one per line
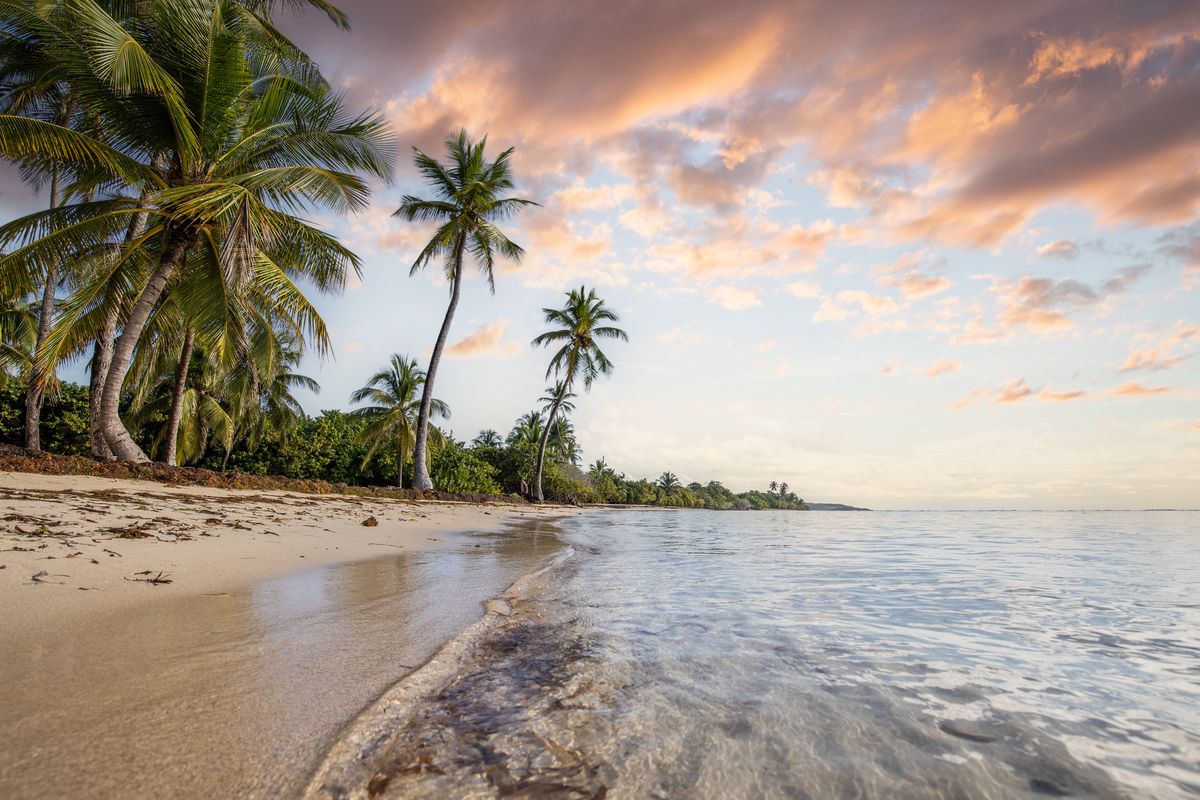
point(263, 651)
point(100, 543)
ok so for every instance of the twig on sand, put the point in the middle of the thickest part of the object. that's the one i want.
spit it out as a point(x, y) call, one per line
point(384, 544)
point(155, 580)
point(40, 577)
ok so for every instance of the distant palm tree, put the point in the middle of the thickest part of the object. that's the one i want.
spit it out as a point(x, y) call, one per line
point(527, 431)
point(467, 205)
point(773, 487)
point(578, 325)
point(393, 392)
point(668, 482)
point(600, 468)
point(783, 490)
point(488, 438)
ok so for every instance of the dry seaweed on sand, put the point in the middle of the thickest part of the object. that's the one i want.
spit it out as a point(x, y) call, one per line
point(148, 576)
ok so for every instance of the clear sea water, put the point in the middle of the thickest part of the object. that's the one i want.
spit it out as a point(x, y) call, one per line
point(833, 655)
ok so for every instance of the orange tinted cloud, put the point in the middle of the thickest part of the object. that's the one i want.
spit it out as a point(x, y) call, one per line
point(485, 340)
point(1136, 389)
point(942, 367)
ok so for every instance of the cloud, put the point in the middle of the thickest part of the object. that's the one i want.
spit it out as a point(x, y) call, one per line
point(942, 367)
point(1192, 426)
point(1019, 390)
point(804, 289)
point(1136, 389)
point(486, 340)
point(890, 368)
point(1164, 350)
point(683, 337)
point(1013, 392)
point(1048, 396)
point(767, 346)
point(1064, 249)
point(734, 298)
point(907, 275)
point(1045, 305)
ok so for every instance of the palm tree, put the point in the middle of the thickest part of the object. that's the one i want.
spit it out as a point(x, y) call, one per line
point(527, 431)
point(668, 482)
point(772, 487)
point(783, 490)
point(467, 204)
point(487, 438)
point(393, 392)
point(578, 326)
point(228, 142)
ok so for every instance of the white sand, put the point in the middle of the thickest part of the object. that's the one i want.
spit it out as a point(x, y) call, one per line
point(205, 541)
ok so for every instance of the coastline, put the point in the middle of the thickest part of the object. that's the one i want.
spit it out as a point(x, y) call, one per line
point(100, 541)
point(278, 629)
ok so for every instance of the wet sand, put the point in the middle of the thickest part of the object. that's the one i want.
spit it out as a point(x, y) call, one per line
point(228, 682)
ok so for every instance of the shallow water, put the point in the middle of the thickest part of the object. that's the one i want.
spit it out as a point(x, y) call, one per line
point(826, 654)
point(240, 694)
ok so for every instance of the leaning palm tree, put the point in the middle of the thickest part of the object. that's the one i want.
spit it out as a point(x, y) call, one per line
point(228, 147)
point(392, 417)
point(467, 204)
point(578, 326)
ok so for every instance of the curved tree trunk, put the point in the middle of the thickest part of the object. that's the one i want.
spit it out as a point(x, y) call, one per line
point(102, 353)
point(185, 360)
point(541, 456)
point(40, 374)
point(118, 438)
point(421, 479)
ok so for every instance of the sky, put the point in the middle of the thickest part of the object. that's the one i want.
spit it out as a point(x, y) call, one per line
point(904, 255)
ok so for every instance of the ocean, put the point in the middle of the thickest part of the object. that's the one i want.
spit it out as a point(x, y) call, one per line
point(692, 654)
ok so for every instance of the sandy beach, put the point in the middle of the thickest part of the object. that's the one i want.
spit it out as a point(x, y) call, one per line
point(198, 642)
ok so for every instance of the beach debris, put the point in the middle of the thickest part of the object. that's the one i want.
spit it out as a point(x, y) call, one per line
point(3, 566)
point(151, 578)
point(112, 553)
point(370, 522)
point(40, 577)
point(134, 530)
point(380, 544)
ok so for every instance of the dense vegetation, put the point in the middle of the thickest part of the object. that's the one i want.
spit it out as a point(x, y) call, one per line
point(184, 146)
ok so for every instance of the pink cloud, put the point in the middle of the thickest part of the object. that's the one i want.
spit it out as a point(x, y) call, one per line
point(486, 340)
point(1137, 389)
point(942, 367)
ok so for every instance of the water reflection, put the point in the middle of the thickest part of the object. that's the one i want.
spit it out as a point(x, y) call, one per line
point(236, 695)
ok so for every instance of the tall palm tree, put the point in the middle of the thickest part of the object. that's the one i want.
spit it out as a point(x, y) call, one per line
point(467, 203)
point(228, 143)
point(393, 393)
point(668, 482)
point(578, 326)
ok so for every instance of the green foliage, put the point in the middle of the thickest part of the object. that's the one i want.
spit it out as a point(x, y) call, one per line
point(64, 418)
point(455, 468)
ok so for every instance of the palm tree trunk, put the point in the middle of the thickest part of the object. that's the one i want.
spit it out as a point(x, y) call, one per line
point(185, 360)
point(102, 353)
point(421, 479)
point(118, 438)
point(541, 456)
point(40, 373)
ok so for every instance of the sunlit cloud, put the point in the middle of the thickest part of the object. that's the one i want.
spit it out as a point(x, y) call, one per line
point(1137, 389)
point(486, 340)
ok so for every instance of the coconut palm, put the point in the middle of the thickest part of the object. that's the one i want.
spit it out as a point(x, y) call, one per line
point(527, 431)
point(228, 143)
point(579, 324)
point(487, 438)
point(467, 203)
point(392, 417)
point(668, 482)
